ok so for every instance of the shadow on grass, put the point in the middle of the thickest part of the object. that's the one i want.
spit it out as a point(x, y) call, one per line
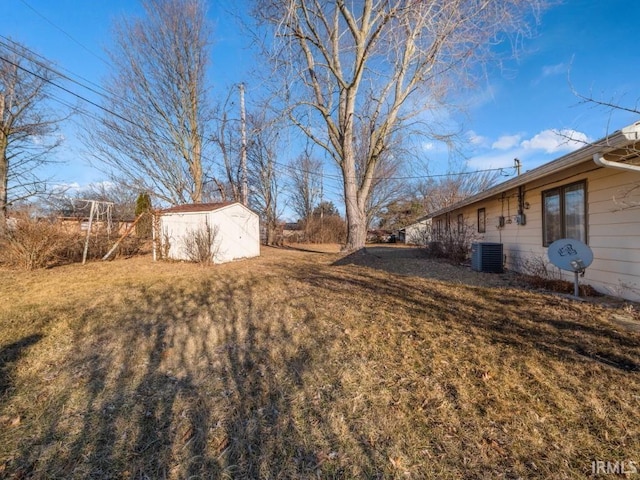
point(254, 377)
point(181, 382)
point(9, 354)
point(494, 314)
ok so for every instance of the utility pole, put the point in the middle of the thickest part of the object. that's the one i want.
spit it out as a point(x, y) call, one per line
point(243, 149)
point(517, 165)
point(321, 204)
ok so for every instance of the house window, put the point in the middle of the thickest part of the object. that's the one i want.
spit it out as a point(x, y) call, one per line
point(482, 220)
point(439, 229)
point(460, 224)
point(564, 213)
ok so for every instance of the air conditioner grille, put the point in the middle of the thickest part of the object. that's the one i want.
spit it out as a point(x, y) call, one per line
point(486, 257)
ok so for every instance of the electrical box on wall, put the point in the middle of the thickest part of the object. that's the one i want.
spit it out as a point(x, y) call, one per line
point(521, 219)
point(501, 221)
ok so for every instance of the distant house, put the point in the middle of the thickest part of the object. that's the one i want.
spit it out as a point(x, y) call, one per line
point(418, 233)
point(237, 230)
point(591, 194)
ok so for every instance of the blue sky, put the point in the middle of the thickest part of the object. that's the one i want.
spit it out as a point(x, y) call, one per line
point(588, 45)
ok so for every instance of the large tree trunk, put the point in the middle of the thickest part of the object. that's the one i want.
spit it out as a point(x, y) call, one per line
point(356, 227)
point(355, 210)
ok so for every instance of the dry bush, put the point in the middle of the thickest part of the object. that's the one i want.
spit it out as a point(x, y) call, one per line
point(536, 266)
point(201, 245)
point(420, 237)
point(453, 244)
point(538, 272)
point(32, 243)
point(39, 243)
point(330, 229)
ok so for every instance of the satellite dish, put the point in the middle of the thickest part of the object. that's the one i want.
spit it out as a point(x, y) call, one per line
point(569, 254)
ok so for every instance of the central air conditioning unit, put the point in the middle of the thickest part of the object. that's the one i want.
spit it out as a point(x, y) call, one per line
point(486, 257)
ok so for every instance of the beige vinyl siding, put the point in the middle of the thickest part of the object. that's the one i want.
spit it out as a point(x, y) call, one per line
point(614, 233)
point(613, 229)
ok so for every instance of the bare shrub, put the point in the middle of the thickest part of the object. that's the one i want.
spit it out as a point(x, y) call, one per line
point(330, 229)
point(201, 245)
point(453, 243)
point(32, 243)
point(537, 266)
point(538, 272)
point(321, 229)
point(421, 236)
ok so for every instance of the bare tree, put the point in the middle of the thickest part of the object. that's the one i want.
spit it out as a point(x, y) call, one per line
point(392, 58)
point(432, 194)
point(305, 184)
point(264, 181)
point(155, 137)
point(386, 186)
point(440, 192)
point(27, 128)
point(629, 196)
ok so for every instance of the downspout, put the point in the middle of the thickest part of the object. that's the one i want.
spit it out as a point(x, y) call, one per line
point(599, 160)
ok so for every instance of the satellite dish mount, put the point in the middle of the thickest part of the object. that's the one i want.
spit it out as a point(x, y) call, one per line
point(571, 255)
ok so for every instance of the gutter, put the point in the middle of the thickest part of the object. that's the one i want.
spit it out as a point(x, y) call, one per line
point(599, 160)
point(632, 135)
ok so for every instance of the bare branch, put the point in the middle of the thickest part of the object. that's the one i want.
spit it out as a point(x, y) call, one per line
point(27, 129)
point(368, 66)
point(159, 87)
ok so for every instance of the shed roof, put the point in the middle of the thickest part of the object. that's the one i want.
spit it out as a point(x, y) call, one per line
point(197, 207)
point(619, 139)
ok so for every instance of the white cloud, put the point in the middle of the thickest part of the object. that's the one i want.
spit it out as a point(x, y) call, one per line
point(476, 139)
point(556, 141)
point(544, 147)
point(506, 142)
point(496, 160)
point(550, 70)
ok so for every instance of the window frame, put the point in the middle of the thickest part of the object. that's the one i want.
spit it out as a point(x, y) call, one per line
point(561, 191)
point(482, 226)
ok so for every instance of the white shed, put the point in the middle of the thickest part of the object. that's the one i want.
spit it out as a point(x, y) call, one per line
point(237, 230)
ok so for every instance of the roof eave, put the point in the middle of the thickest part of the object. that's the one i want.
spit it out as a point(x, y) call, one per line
point(618, 139)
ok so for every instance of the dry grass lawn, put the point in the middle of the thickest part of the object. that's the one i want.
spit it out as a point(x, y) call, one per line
point(304, 365)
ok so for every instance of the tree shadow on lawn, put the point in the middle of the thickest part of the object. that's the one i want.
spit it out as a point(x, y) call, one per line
point(414, 261)
point(9, 354)
point(259, 378)
point(511, 316)
point(198, 381)
point(545, 349)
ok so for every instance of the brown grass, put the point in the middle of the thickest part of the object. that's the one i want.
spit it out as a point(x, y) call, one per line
point(301, 365)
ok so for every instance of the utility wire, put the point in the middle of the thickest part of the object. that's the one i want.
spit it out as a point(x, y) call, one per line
point(44, 65)
point(65, 33)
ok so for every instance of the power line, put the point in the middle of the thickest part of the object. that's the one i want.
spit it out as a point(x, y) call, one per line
point(290, 168)
point(46, 64)
point(64, 32)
